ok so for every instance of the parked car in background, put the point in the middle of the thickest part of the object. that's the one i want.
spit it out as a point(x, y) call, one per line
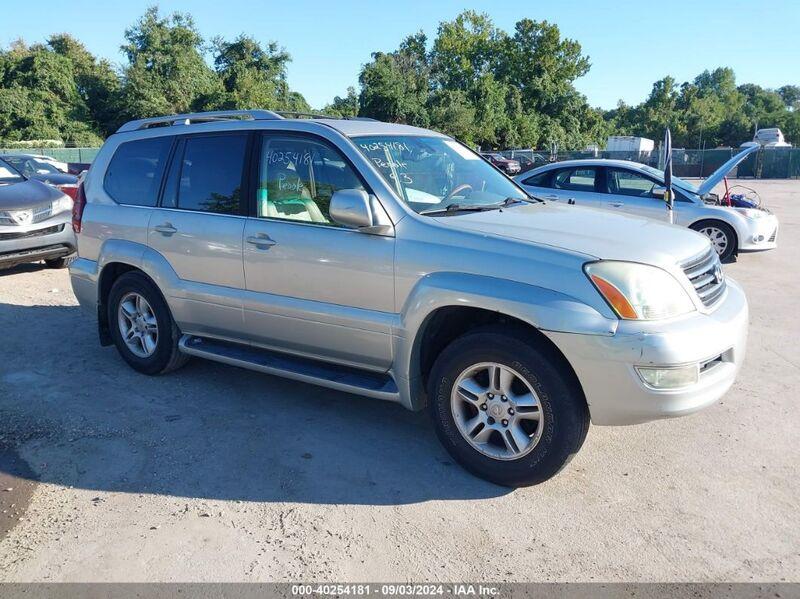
point(35, 222)
point(32, 166)
point(630, 187)
point(394, 262)
point(507, 165)
point(768, 138)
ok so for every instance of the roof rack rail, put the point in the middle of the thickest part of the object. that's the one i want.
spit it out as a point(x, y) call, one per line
point(304, 115)
point(319, 115)
point(199, 117)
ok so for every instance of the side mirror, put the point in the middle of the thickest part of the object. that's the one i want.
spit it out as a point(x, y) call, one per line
point(350, 207)
point(659, 192)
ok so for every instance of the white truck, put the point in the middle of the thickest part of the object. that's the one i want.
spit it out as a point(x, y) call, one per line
point(629, 143)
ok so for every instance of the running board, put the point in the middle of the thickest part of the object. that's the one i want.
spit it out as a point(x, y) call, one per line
point(333, 376)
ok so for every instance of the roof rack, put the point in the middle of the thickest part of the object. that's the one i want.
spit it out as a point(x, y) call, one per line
point(319, 115)
point(201, 117)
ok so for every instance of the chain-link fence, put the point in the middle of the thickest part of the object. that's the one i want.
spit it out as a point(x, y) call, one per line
point(767, 163)
point(84, 155)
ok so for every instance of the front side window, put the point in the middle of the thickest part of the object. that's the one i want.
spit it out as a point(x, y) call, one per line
point(579, 179)
point(628, 183)
point(210, 177)
point(432, 173)
point(134, 173)
point(297, 178)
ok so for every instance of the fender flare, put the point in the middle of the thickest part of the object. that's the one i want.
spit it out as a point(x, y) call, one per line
point(542, 308)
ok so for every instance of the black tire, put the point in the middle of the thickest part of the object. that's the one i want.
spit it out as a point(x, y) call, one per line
point(166, 356)
point(566, 415)
point(732, 240)
point(62, 262)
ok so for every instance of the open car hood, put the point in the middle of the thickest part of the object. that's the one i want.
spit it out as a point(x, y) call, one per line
point(717, 176)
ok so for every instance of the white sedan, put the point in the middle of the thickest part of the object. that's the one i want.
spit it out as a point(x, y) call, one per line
point(625, 186)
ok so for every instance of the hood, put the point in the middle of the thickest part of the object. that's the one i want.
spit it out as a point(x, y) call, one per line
point(55, 178)
point(28, 194)
point(719, 174)
point(589, 231)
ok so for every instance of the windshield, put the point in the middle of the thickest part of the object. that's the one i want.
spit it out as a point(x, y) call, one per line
point(8, 175)
point(434, 173)
point(676, 181)
point(32, 166)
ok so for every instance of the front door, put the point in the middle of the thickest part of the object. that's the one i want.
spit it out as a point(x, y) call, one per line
point(632, 193)
point(313, 287)
point(198, 229)
point(576, 186)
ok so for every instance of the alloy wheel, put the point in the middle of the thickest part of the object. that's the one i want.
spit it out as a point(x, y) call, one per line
point(497, 411)
point(137, 325)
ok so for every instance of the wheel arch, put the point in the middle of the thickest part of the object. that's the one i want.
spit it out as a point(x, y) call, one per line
point(437, 313)
point(717, 219)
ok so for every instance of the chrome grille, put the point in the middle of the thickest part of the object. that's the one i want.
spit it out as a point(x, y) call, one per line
point(26, 217)
point(706, 276)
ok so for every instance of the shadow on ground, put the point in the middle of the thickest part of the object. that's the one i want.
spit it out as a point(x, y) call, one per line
point(80, 416)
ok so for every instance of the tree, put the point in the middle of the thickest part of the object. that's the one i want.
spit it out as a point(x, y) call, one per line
point(251, 76)
point(166, 71)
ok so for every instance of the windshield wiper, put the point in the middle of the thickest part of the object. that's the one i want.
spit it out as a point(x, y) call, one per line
point(451, 208)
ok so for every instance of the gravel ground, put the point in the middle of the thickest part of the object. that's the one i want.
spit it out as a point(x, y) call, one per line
point(214, 473)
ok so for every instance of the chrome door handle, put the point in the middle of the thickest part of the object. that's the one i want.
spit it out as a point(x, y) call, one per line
point(264, 241)
point(165, 229)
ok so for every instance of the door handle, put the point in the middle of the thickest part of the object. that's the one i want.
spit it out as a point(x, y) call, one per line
point(262, 241)
point(165, 229)
point(551, 197)
point(617, 204)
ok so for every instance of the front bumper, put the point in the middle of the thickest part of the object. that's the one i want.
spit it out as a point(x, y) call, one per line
point(605, 365)
point(51, 238)
point(760, 234)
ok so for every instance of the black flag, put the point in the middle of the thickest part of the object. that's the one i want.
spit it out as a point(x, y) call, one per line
point(668, 172)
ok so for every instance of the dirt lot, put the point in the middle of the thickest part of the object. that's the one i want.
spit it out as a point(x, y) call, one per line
point(216, 473)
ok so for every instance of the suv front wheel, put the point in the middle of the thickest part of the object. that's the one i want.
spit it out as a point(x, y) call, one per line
point(505, 409)
point(142, 327)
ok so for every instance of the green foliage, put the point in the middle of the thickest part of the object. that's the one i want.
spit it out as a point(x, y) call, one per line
point(709, 111)
point(59, 91)
point(481, 84)
point(484, 86)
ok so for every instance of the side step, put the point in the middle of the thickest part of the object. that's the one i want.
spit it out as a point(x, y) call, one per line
point(333, 376)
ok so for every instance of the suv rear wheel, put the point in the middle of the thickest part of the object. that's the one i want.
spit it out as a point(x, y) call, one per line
point(505, 409)
point(142, 327)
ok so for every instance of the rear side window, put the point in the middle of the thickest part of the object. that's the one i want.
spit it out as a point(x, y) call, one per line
point(134, 173)
point(210, 178)
point(580, 179)
point(540, 180)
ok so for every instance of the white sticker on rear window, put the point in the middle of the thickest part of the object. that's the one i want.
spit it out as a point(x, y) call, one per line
point(460, 150)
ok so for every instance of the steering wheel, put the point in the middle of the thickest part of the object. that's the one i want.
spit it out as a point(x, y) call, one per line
point(456, 190)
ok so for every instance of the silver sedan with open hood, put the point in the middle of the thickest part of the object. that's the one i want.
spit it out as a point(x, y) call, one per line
point(731, 224)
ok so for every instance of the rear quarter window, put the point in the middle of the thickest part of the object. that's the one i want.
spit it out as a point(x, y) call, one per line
point(134, 174)
point(540, 180)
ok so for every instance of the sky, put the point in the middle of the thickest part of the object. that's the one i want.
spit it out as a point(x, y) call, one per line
point(630, 43)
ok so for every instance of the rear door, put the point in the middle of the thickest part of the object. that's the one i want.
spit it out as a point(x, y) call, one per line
point(632, 192)
point(198, 229)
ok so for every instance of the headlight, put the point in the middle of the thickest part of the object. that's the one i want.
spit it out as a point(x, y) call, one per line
point(750, 212)
point(61, 205)
point(638, 291)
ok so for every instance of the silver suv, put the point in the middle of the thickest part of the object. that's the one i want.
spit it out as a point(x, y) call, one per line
point(394, 262)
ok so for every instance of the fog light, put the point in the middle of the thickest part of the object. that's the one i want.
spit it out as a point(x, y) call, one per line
point(758, 238)
point(669, 378)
